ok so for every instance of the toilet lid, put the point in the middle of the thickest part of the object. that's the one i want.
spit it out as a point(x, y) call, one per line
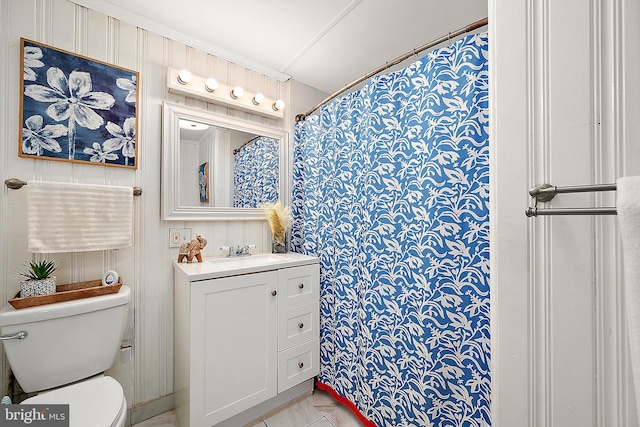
point(97, 402)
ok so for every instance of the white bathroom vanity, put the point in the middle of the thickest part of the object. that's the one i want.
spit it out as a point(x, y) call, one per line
point(247, 336)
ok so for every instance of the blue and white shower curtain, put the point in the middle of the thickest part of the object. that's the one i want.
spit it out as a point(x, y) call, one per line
point(391, 190)
point(256, 173)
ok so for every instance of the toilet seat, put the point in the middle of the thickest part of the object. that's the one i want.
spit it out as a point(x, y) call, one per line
point(96, 402)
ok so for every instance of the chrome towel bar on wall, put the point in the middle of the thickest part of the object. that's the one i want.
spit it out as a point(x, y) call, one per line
point(546, 192)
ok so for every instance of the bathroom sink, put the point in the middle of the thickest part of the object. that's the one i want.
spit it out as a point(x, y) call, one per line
point(230, 263)
point(216, 267)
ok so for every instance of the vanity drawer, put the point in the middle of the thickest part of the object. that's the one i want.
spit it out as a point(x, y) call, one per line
point(298, 285)
point(298, 364)
point(298, 324)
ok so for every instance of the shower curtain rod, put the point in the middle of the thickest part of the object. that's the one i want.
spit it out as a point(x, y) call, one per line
point(237, 150)
point(471, 27)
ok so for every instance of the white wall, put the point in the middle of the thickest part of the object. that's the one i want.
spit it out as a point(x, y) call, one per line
point(146, 266)
point(564, 111)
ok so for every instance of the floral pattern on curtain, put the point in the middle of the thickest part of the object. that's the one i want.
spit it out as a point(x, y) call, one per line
point(391, 190)
point(256, 173)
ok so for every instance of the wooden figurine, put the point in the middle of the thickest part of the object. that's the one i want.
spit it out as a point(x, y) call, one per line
point(191, 249)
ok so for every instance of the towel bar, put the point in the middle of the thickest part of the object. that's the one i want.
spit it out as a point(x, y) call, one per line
point(16, 184)
point(546, 192)
point(534, 211)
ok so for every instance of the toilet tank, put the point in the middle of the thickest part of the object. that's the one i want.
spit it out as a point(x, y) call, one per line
point(66, 341)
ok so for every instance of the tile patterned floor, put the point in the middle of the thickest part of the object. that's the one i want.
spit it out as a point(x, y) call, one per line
point(317, 410)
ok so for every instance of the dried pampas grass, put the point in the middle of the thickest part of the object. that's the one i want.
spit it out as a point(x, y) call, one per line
point(279, 218)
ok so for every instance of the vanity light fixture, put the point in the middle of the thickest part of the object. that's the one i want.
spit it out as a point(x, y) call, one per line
point(211, 84)
point(236, 92)
point(278, 105)
point(258, 99)
point(184, 77)
point(208, 89)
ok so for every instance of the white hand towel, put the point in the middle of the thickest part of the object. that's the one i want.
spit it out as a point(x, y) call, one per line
point(628, 207)
point(67, 217)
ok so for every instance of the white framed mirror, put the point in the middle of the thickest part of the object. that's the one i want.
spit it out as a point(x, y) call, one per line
point(216, 167)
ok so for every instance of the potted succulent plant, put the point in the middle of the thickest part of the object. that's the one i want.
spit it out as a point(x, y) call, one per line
point(39, 279)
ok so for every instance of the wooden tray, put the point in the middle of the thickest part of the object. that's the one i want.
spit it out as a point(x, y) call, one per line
point(67, 292)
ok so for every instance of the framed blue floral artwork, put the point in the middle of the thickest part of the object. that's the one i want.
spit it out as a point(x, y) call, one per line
point(76, 109)
point(203, 182)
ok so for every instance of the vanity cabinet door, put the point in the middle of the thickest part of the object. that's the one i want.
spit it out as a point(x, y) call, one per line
point(234, 345)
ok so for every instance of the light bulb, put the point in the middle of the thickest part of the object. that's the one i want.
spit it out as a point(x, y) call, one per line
point(184, 77)
point(237, 92)
point(258, 99)
point(278, 105)
point(211, 84)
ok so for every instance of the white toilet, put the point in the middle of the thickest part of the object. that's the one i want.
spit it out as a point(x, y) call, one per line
point(67, 348)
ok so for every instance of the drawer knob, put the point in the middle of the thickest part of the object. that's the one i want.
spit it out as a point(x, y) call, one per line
point(301, 285)
point(300, 365)
point(300, 325)
point(274, 293)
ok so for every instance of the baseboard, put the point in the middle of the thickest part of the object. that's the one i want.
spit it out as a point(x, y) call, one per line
point(150, 409)
point(251, 415)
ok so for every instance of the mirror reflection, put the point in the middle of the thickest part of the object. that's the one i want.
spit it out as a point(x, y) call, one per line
point(219, 167)
point(226, 167)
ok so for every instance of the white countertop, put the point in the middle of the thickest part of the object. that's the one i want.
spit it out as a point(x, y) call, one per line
point(216, 267)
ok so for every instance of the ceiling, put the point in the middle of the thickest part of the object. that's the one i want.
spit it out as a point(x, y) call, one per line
point(325, 44)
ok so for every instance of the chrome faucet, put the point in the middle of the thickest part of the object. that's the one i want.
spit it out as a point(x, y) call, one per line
point(238, 251)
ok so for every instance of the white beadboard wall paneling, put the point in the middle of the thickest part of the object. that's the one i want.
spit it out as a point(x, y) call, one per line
point(154, 369)
point(612, 373)
point(7, 68)
point(628, 158)
point(60, 23)
point(13, 202)
point(196, 60)
point(45, 16)
point(602, 45)
point(630, 49)
point(540, 257)
point(230, 233)
point(119, 50)
point(570, 306)
point(569, 110)
point(81, 36)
